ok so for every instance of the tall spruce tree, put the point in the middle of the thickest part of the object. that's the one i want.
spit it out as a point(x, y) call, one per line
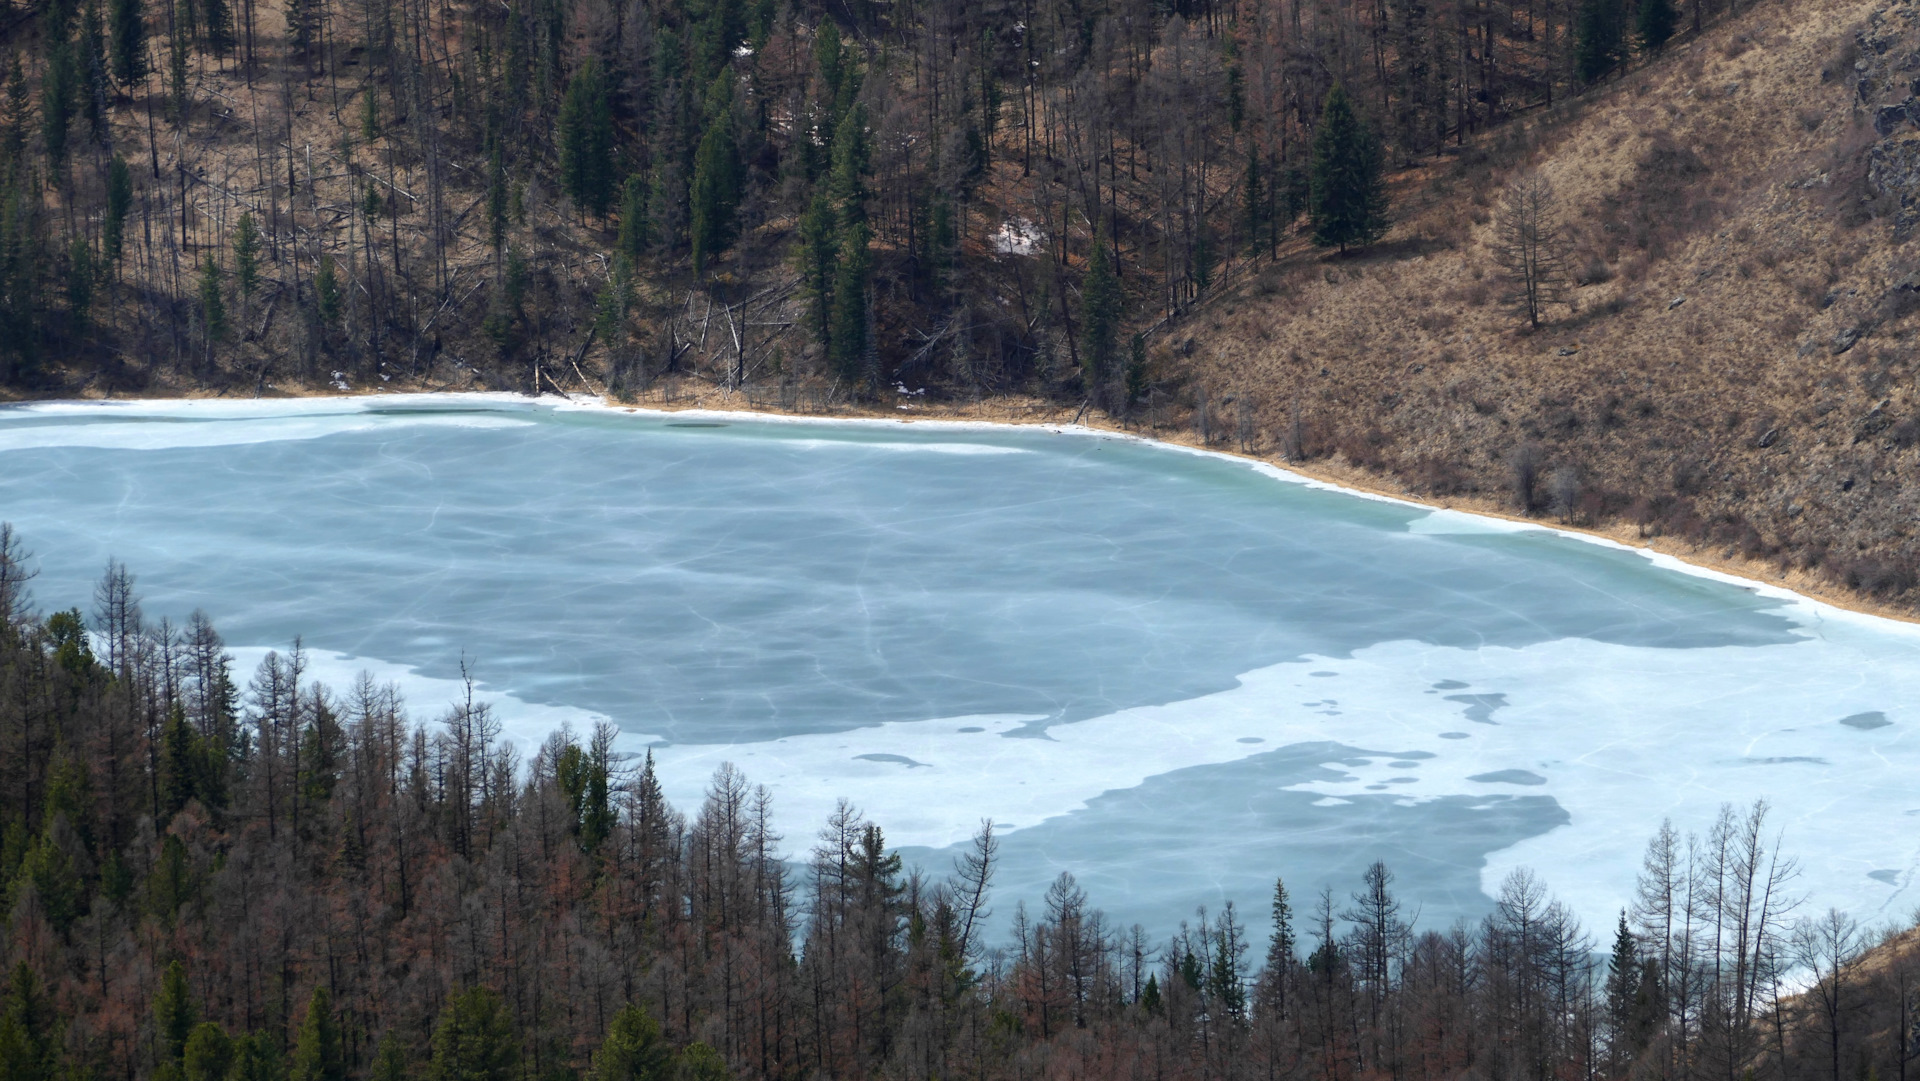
point(1348, 194)
point(1100, 304)
point(1599, 37)
point(849, 346)
point(129, 33)
point(586, 141)
point(1654, 24)
point(317, 1054)
point(815, 250)
point(716, 177)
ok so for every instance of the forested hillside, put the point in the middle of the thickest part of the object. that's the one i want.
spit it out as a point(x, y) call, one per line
point(588, 194)
point(210, 875)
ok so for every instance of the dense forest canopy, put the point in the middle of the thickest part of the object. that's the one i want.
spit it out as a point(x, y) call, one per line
point(215, 876)
point(591, 193)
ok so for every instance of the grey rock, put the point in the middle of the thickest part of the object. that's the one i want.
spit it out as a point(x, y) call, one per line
point(1844, 340)
point(1675, 303)
point(1893, 172)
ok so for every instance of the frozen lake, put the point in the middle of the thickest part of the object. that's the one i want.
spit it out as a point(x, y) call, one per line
point(1176, 675)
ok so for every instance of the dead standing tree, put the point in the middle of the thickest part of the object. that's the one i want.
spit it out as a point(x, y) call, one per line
point(1530, 247)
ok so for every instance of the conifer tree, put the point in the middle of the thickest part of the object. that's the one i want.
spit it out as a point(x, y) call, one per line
point(586, 141)
point(473, 1041)
point(213, 307)
point(174, 1012)
point(317, 1055)
point(716, 178)
point(1623, 986)
point(634, 1050)
point(848, 344)
point(219, 20)
point(1598, 39)
point(113, 228)
point(59, 91)
point(632, 239)
point(815, 251)
point(246, 256)
point(1347, 192)
point(129, 31)
point(847, 182)
point(1100, 304)
point(1256, 205)
point(1654, 24)
point(208, 1055)
point(326, 291)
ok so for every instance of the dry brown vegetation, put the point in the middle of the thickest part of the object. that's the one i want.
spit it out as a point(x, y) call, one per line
point(1734, 373)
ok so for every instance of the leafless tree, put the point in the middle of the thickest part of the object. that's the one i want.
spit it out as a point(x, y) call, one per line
point(1530, 247)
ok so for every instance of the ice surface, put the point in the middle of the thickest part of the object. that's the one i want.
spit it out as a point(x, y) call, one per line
point(1162, 670)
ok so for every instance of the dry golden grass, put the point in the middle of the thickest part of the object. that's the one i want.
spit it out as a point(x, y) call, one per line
point(1711, 205)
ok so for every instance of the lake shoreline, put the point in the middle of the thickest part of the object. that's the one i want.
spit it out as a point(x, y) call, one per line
point(1792, 585)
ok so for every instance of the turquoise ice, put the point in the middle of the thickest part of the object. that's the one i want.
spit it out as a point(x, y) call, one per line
point(1176, 675)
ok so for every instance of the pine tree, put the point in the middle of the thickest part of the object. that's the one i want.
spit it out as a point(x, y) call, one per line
point(213, 306)
point(81, 276)
point(1256, 205)
point(389, 1060)
point(700, 1062)
point(815, 251)
point(586, 141)
point(246, 256)
point(28, 1029)
point(219, 20)
point(634, 1050)
point(326, 291)
point(847, 182)
point(1100, 304)
point(174, 1012)
point(1654, 24)
point(113, 229)
point(1347, 192)
point(498, 213)
point(1623, 987)
point(1598, 39)
point(208, 1055)
point(848, 343)
point(473, 1041)
point(632, 240)
point(716, 178)
point(129, 30)
point(59, 90)
point(317, 1055)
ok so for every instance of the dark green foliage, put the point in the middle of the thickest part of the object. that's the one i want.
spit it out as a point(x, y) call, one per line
point(389, 1060)
point(1600, 39)
point(723, 30)
point(208, 1055)
point(815, 251)
point(317, 1054)
point(498, 213)
point(1654, 24)
point(213, 305)
point(303, 17)
point(28, 1029)
point(699, 1062)
point(81, 277)
point(633, 236)
point(586, 141)
point(219, 26)
point(59, 95)
point(326, 291)
point(1256, 206)
point(716, 178)
point(847, 183)
point(584, 775)
point(474, 1040)
point(634, 1050)
point(22, 266)
point(1100, 304)
point(174, 1013)
point(129, 31)
point(369, 115)
point(848, 344)
point(1347, 193)
point(246, 256)
point(119, 201)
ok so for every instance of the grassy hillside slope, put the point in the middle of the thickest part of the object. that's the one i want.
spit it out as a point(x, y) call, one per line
point(1735, 371)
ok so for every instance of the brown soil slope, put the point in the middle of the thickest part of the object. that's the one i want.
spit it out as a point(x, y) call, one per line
point(1736, 369)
